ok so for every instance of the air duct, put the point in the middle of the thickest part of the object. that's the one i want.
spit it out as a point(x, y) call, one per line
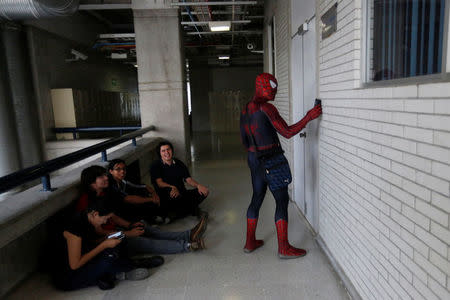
point(36, 9)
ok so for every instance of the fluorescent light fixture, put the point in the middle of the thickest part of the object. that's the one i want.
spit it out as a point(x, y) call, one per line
point(220, 25)
point(224, 57)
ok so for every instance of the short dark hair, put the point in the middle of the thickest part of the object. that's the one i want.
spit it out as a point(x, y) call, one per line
point(98, 206)
point(89, 175)
point(163, 143)
point(114, 162)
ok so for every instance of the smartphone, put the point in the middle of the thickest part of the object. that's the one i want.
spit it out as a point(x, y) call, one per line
point(117, 235)
point(317, 102)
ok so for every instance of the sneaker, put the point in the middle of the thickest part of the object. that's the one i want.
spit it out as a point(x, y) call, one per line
point(199, 229)
point(105, 283)
point(135, 274)
point(159, 220)
point(197, 245)
point(148, 262)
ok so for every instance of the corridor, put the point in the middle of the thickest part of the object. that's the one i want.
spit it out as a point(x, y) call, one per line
point(223, 270)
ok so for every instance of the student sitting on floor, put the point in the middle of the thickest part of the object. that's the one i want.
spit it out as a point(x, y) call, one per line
point(140, 237)
point(87, 258)
point(137, 201)
point(168, 177)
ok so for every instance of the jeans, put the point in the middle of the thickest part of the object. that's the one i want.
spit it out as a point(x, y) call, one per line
point(157, 241)
point(185, 204)
point(259, 184)
point(106, 263)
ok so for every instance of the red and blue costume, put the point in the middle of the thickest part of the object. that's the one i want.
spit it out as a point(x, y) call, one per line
point(259, 124)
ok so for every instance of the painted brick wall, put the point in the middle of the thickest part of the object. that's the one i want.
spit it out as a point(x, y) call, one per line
point(384, 173)
point(280, 11)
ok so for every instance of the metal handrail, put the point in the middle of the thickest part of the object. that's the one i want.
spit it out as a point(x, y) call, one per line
point(75, 130)
point(43, 170)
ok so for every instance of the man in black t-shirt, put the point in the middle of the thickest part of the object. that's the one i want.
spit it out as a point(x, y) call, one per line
point(168, 177)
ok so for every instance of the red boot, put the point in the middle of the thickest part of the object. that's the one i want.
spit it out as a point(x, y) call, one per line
point(252, 243)
point(285, 250)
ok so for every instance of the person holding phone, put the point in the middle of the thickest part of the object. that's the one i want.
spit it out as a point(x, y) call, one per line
point(90, 259)
point(260, 124)
point(140, 238)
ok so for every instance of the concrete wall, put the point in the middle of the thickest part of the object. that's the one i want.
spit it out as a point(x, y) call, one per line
point(218, 94)
point(384, 172)
point(162, 80)
point(48, 54)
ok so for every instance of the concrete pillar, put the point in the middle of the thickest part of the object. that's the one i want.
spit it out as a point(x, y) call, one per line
point(22, 94)
point(9, 148)
point(161, 72)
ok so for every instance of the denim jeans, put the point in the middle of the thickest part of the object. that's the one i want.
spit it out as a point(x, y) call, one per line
point(157, 241)
point(106, 263)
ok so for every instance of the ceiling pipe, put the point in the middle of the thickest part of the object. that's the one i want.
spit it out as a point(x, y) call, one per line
point(36, 9)
point(192, 19)
point(232, 25)
point(209, 12)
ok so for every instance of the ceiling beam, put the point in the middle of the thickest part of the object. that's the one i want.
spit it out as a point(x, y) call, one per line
point(103, 6)
point(206, 23)
point(117, 35)
point(227, 32)
point(217, 12)
point(214, 3)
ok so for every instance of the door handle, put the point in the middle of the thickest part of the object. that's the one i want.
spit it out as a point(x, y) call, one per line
point(303, 135)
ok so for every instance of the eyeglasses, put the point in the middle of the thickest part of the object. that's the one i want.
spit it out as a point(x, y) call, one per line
point(120, 169)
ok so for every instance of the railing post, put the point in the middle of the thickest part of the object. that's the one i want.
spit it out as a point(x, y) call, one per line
point(104, 156)
point(46, 185)
point(74, 134)
point(133, 141)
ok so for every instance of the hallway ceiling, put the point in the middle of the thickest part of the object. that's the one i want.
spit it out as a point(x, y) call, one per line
point(242, 44)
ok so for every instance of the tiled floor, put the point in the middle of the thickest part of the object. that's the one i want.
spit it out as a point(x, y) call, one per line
point(223, 271)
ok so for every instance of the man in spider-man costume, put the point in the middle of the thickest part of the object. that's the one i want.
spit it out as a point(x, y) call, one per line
point(262, 120)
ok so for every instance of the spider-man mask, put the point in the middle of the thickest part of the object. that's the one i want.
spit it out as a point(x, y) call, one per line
point(265, 87)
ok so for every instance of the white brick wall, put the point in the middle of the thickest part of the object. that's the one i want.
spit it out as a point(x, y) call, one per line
point(282, 40)
point(384, 173)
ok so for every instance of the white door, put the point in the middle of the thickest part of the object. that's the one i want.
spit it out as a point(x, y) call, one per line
point(298, 112)
point(303, 82)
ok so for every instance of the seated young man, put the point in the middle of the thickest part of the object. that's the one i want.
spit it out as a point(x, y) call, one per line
point(137, 201)
point(168, 177)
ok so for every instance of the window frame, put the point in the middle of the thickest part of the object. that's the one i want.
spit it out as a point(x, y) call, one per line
point(365, 82)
